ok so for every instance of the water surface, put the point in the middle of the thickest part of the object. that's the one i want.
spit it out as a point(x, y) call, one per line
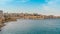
point(26, 26)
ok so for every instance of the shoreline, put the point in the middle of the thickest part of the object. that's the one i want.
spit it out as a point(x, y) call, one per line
point(5, 17)
point(2, 25)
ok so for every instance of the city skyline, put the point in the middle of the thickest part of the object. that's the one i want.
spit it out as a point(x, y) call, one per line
point(47, 7)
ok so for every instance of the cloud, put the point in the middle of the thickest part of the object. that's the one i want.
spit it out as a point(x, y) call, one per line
point(22, 1)
point(52, 7)
point(5, 1)
point(2, 2)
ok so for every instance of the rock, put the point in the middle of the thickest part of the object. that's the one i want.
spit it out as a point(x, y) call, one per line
point(0, 29)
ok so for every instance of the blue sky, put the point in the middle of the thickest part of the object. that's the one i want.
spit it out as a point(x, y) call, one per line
point(48, 7)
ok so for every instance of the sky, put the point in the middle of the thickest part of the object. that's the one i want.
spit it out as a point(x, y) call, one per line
point(46, 7)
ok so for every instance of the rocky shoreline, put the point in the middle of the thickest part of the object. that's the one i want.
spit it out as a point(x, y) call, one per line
point(7, 17)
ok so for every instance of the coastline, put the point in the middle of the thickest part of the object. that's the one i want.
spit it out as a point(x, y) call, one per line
point(6, 17)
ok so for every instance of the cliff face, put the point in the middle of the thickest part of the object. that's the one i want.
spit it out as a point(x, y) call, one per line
point(2, 21)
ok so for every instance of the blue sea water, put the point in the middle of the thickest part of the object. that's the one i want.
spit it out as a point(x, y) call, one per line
point(27, 26)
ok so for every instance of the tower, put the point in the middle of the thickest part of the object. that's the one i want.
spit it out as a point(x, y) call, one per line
point(1, 13)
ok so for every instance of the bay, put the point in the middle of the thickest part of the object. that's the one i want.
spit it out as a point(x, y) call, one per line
point(28, 26)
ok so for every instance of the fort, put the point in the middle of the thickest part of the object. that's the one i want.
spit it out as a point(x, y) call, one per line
point(7, 17)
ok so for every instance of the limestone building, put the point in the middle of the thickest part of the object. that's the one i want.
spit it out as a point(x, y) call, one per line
point(1, 13)
point(1, 16)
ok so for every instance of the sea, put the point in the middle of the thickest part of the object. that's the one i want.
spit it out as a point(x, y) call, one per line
point(31, 26)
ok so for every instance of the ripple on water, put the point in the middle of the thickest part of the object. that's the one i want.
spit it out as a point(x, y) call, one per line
point(32, 27)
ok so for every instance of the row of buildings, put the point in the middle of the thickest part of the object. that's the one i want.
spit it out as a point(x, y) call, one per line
point(29, 16)
point(6, 17)
point(14, 16)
